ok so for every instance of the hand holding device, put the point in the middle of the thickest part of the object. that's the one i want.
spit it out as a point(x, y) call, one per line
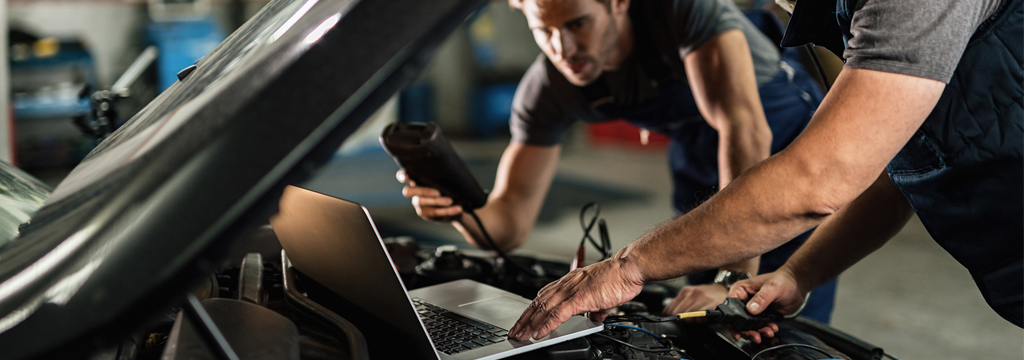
point(430, 161)
point(428, 202)
point(733, 312)
point(779, 288)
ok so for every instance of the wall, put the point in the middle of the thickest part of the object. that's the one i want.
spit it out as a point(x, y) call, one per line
point(114, 31)
point(111, 31)
point(516, 48)
point(453, 72)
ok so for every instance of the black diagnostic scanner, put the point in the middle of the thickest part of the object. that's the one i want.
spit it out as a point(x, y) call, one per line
point(733, 312)
point(430, 161)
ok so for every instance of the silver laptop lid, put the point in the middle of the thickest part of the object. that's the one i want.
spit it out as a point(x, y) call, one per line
point(327, 239)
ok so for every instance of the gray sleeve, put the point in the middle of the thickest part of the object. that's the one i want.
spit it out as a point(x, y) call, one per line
point(542, 106)
point(923, 38)
point(697, 21)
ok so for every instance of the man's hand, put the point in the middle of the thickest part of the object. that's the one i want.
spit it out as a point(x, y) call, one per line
point(696, 297)
point(778, 288)
point(429, 203)
point(595, 289)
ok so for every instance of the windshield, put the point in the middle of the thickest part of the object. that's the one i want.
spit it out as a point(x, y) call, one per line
point(21, 195)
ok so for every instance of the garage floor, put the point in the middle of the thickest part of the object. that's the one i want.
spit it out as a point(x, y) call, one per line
point(910, 297)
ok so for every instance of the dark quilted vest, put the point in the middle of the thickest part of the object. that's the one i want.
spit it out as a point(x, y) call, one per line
point(963, 171)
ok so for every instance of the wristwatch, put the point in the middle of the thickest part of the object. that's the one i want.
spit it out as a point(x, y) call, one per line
point(728, 277)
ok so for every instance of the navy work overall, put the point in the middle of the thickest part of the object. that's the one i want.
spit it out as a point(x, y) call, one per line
point(789, 101)
point(963, 171)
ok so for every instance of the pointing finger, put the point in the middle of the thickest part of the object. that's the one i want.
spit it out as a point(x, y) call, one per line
point(431, 201)
point(411, 191)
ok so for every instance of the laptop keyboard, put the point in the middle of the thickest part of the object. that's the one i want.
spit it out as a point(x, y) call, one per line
point(453, 333)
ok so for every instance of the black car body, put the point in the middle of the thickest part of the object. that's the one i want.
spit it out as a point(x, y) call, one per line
point(158, 203)
point(154, 210)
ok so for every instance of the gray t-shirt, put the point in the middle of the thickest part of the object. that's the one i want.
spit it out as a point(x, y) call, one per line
point(923, 38)
point(546, 104)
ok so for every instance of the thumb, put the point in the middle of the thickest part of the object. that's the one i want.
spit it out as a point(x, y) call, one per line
point(599, 316)
point(764, 297)
point(404, 178)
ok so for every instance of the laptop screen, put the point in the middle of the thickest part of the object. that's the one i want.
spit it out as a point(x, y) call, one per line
point(335, 243)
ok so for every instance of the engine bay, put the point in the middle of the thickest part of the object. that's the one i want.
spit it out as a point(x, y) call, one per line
point(263, 308)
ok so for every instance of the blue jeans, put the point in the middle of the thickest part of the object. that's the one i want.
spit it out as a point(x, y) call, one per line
point(789, 101)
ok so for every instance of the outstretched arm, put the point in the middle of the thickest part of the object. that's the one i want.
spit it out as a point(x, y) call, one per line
point(859, 128)
point(861, 125)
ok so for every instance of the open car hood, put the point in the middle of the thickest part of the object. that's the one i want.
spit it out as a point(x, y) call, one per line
point(156, 205)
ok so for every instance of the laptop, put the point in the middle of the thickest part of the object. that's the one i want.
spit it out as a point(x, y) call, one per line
point(335, 243)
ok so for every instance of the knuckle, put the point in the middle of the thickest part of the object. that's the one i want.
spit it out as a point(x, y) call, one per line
point(535, 306)
point(557, 312)
point(542, 306)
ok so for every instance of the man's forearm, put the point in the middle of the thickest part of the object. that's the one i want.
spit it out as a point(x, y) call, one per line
point(749, 265)
point(744, 139)
point(852, 233)
point(524, 176)
point(741, 145)
point(738, 223)
point(471, 231)
point(838, 156)
point(501, 228)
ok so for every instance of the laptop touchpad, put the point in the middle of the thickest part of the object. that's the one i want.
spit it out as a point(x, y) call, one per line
point(502, 311)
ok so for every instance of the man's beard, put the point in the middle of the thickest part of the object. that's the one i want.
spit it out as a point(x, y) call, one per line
point(608, 44)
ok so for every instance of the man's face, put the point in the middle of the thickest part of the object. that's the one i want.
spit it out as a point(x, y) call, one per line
point(578, 36)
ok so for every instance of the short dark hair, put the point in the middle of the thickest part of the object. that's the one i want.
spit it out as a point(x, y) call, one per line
point(518, 4)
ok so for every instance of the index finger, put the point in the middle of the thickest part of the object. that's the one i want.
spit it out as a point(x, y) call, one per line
point(743, 289)
point(554, 316)
point(548, 304)
point(519, 328)
point(411, 191)
point(524, 319)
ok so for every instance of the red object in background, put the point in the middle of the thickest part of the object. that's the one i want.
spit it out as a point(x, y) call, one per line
point(620, 132)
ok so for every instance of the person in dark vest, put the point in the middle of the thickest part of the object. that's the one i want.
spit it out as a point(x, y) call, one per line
point(698, 71)
point(925, 117)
